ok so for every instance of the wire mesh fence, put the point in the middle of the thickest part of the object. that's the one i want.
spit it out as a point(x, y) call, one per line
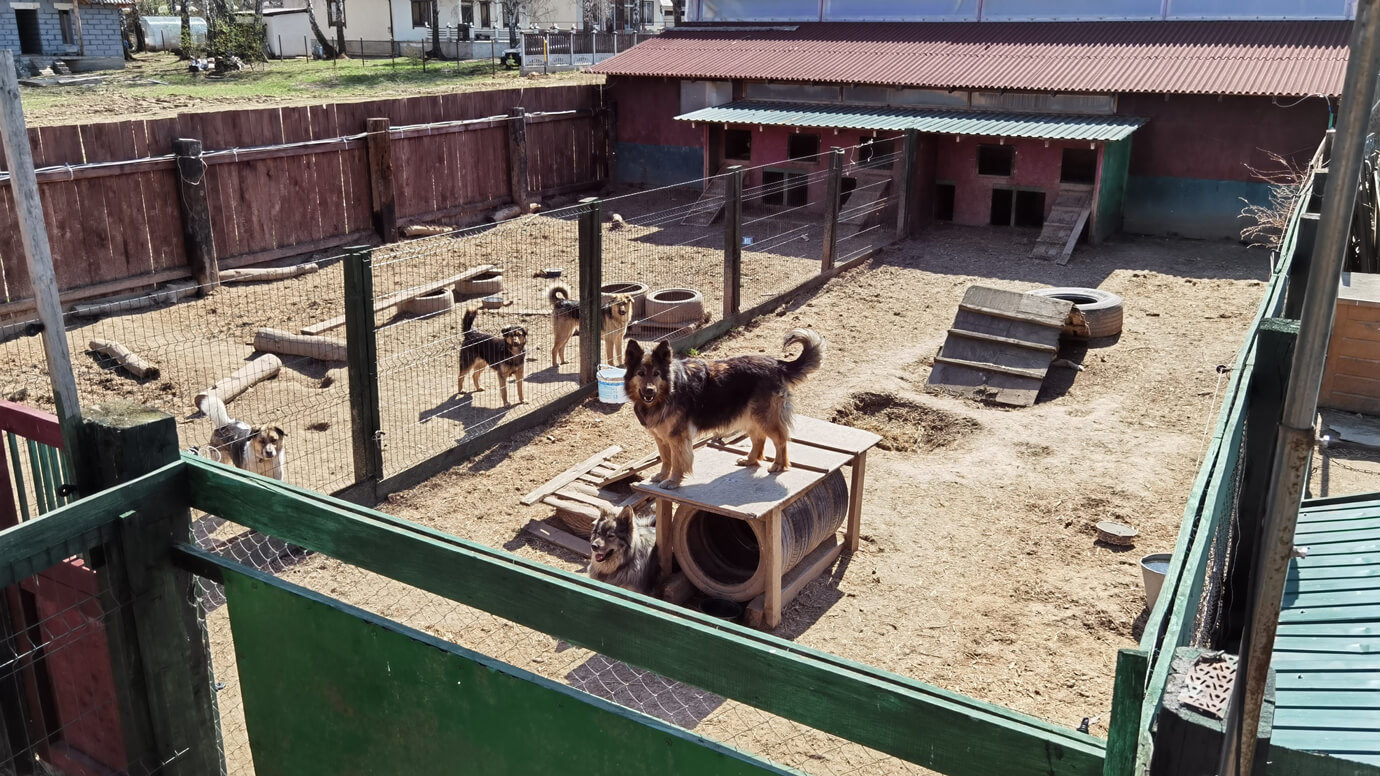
point(744, 727)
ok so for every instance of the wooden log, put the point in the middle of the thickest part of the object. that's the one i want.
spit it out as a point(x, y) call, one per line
point(169, 295)
point(196, 214)
point(505, 213)
point(125, 357)
point(259, 274)
point(425, 230)
point(262, 368)
point(393, 300)
point(289, 344)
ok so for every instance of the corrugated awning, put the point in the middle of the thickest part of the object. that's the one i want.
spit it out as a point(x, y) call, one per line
point(947, 122)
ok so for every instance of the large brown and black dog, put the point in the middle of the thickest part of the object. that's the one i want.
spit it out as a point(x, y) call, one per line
point(507, 354)
point(675, 399)
point(565, 320)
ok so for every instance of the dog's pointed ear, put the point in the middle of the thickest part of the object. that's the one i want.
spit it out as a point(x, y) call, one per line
point(662, 352)
point(632, 356)
point(626, 515)
point(281, 432)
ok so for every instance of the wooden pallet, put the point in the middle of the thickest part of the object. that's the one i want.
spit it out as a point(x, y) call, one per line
point(1000, 346)
point(1064, 224)
point(709, 205)
point(580, 494)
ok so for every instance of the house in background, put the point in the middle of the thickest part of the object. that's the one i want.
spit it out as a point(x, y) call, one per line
point(1156, 119)
point(84, 34)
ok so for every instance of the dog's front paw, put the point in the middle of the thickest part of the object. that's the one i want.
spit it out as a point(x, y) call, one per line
point(670, 484)
point(749, 462)
point(777, 468)
point(659, 476)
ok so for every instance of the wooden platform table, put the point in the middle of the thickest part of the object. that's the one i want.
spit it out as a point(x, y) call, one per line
point(721, 486)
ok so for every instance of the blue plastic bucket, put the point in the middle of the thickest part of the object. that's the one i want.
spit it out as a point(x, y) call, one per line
point(611, 384)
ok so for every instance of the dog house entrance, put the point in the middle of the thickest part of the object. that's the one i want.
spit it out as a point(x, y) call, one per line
point(1011, 207)
point(30, 38)
point(944, 201)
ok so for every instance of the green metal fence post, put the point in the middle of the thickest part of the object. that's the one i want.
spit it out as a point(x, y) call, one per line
point(362, 361)
point(733, 242)
point(591, 247)
point(158, 648)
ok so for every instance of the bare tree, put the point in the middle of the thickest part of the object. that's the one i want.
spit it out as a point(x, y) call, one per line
point(1270, 218)
point(514, 10)
point(327, 49)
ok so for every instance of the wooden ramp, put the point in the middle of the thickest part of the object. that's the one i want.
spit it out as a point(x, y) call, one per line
point(1065, 223)
point(709, 205)
point(1000, 346)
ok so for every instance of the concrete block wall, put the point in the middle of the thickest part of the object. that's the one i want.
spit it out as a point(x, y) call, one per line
point(9, 31)
point(100, 28)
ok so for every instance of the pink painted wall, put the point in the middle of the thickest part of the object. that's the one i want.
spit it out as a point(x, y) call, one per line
point(1035, 167)
point(647, 108)
point(769, 147)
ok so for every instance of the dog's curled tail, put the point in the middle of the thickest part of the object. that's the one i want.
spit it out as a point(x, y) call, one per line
point(467, 322)
point(811, 354)
point(557, 292)
point(214, 408)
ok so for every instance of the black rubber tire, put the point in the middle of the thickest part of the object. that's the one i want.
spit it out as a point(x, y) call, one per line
point(1102, 311)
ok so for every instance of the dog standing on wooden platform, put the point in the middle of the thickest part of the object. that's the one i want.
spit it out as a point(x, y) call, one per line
point(677, 398)
point(565, 321)
point(623, 551)
point(506, 353)
point(258, 450)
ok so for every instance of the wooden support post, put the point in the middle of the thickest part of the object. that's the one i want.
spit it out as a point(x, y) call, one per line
point(1274, 354)
point(591, 247)
point(832, 190)
point(771, 559)
point(733, 242)
point(1123, 728)
point(517, 156)
point(362, 361)
point(159, 651)
point(33, 234)
point(664, 549)
point(196, 215)
point(606, 125)
point(855, 497)
point(385, 209)
point(905, 188)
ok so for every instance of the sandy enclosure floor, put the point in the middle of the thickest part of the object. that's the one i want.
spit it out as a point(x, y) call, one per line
point(979, 571)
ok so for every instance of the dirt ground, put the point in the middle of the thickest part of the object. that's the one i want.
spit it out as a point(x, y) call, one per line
point(979, 570)
point(159, 85)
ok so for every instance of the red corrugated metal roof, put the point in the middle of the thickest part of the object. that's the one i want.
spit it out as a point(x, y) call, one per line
point(1285, 58)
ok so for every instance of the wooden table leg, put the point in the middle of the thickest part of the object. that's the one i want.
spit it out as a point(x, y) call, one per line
point(771, 558)
point(664, 547)
point(855, 494)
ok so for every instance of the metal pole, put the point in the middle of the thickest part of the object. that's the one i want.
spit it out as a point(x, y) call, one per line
point(33, 234)
point(1295, 444)
point(493, 62)
point(280, 48)
point(362, 63)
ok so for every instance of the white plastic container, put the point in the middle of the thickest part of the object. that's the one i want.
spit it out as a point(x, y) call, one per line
point(611, 384)
point(1152, 570)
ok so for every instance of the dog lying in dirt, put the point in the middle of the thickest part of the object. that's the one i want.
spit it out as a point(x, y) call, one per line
point(565, 321)
point(677, 398)
point(258, 450)
point(623, 551)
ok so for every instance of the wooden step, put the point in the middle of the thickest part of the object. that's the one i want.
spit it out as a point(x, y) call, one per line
point(976, 335)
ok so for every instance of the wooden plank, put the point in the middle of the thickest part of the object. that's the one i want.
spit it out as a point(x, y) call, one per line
point(393, 300)
point(805, 456)
point(1128, 695)
point(1313, 662)
point(30, 423)
point(832, 436)
point(1337, 644)
point(772, 561)
point(1011, 315)
point(811, 566)
point(329, 688)
point(569, 475)
point(556, 536)
point(1368, 700)
point(983, 386)
point(720, 485)
point(571, 505)
point(381, 180)
point(1288, 762)
point(664, 550)
point(978, 366)
point(1066, 250)
point(1013, 342)
point(917, 722)
point(855, 502)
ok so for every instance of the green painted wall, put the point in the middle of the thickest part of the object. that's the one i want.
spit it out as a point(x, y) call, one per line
point(329, 689)
point(1111, 193)
point(1189, 207)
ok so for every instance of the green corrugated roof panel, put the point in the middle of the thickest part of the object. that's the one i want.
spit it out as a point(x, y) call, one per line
point(947, 122)
point(1327, 651)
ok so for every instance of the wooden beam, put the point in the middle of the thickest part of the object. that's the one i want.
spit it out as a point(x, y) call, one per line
point(591, 258)
point(1128, 693)
point(855, 502)
point(804, 572)
point(362, 355)
point(517, 157)
point(196, 214)
point(922, 724)
point(1012, 341)
point(982, 366)
point(905, 187)
point(558, 537)
point(381, 179)
point(30, 423)
point(33, 234)
point(569, 475)
point(733, 241)
point(832, 191)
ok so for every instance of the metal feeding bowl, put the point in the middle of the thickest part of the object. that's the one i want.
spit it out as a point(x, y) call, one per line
point(1116, 533)
point(492, 302)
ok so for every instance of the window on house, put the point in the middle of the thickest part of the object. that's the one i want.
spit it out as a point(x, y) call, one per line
point(486, 19)
point(802, 146)
point(648, 13)
point(737, 144)
point(874, 152)
point(69, 34)
point(785, 188)
point(1079, 166)
point(995, 160)
point(467, 13)
point(421, 13)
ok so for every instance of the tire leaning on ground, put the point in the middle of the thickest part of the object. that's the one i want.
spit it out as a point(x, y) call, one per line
point(488, 283)
point(672, 307)
point(1101, 309)
point(437, 301)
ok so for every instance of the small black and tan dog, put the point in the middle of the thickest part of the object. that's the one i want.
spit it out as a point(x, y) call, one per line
point(623, 551)
point(565, 321)
point(505, 352)
point(677, 398)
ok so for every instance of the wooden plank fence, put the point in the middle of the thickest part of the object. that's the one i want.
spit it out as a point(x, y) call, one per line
point(110, 190)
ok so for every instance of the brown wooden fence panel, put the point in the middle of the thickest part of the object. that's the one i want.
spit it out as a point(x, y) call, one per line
point(14, 270)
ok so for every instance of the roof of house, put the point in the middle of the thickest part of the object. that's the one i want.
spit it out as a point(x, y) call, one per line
point(947, 122)
point(1271, 58)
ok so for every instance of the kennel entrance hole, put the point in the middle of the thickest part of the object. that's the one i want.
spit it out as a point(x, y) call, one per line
point(722, 555)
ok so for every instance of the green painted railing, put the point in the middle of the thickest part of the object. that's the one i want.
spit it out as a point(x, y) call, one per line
point(35, 470)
